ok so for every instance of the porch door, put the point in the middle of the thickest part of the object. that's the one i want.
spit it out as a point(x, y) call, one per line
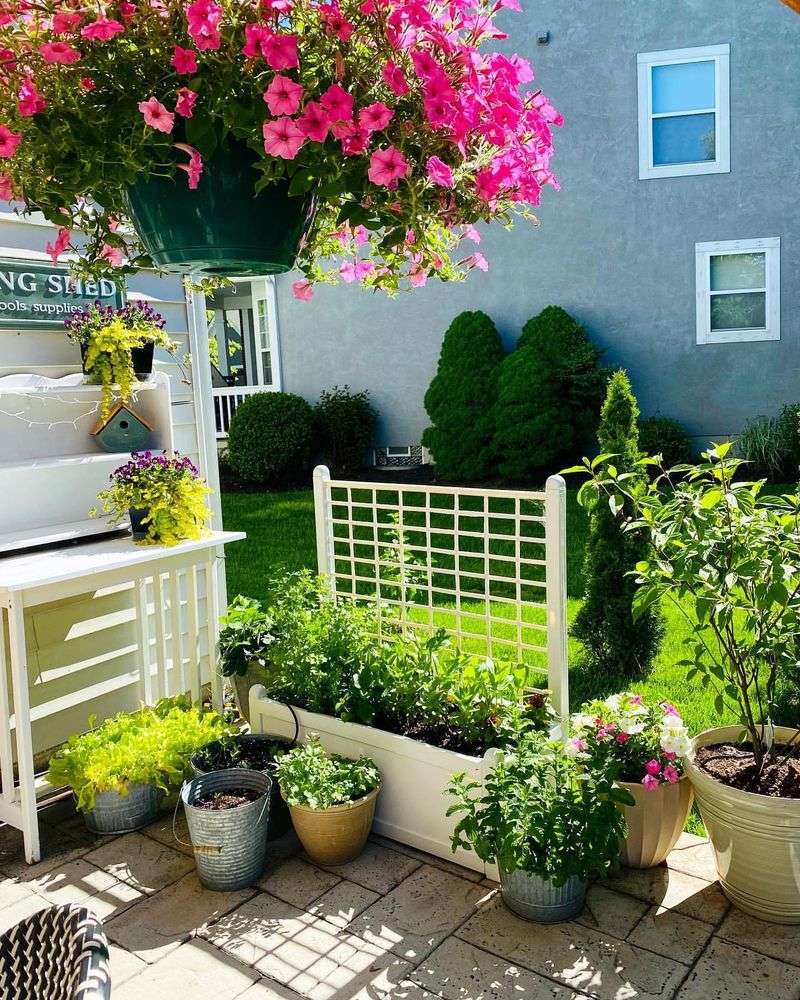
point(264, 357)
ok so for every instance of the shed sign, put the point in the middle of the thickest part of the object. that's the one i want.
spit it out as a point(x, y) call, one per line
point(37, 296)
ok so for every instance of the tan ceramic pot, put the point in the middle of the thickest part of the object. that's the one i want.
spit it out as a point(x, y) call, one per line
point(336, 835)
point(756, 838)
point(655, 822)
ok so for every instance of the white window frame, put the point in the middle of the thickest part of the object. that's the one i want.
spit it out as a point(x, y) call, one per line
point(771, 247)
point(720, 54)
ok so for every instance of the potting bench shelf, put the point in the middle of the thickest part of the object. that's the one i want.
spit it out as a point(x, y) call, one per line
point(167, 584)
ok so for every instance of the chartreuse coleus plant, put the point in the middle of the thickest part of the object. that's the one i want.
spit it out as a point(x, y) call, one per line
point(108, 336)
point(148, 747)
point(309, 776)
point(170, 491)
point(540, 811)
point(392, 113)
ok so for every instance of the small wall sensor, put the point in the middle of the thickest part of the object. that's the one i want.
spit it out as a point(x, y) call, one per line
point(543, 37)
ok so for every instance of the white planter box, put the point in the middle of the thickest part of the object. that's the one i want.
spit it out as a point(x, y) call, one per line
point(412, 804)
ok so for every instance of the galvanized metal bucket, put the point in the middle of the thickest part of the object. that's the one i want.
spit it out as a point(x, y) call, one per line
point(536, 898)
point(115, 813)
point(229, 844)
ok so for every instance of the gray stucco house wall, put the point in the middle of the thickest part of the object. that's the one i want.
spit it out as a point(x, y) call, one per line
point(616, 251)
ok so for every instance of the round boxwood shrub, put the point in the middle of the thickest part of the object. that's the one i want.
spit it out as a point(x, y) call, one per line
point(271, 439)
point(346, 427)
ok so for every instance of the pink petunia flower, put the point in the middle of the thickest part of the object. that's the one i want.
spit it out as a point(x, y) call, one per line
point(102, 30)
point(87, 84)
point(113, 255)
point(471, 233)
point(361, 236)
point(622, 738)
point(439, 172)
point(479, 261)
point(6, 188)
point(653, 767)
point(203, 19)
point(194, 168)
point(156, 115)
point(650, 783)
point(347, 271)
point(395, 79)
point(30, 100)
point(387, 166)
point(184, 60)
point(282, 138)
point(671, 774)
point(363, 269)
point(59, 245)
point(303, 291)
point(9, 141)
point(187, 99)
point(417, 277)
point(375, 117)
point(336, 24)
point(283, 95)
point(59, 53)
point(354, 139)
point(127, 10)
point(314, 122)
point(338, 103)
point(66, 22)
point(280, 51)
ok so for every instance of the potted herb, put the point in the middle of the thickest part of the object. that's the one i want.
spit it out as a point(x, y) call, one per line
point(250, 752)
point(238, 138)
point(117, 346)
point(549, 823)
point(728, 555)
point(643, 747)
point(245, 637)
point(119, 770)
point(227, 813)
point(163, 495)
point(331, 800)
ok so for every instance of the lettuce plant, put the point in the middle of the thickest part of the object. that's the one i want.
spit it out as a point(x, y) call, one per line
point(390, 112)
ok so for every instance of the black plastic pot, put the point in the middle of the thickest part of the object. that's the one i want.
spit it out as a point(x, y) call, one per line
point(142, 358)
point(279, 819)
point(138, 530)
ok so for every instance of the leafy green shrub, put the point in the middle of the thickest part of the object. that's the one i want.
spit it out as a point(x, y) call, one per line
point(151, 746)
point(245, 636)
point(346, 427)
point(549, 395)
point(460, 399)
point(613, 640)
point(666, 437)
point(772, 445)
point(271, 439)
point(541, 812)
point(310, 776)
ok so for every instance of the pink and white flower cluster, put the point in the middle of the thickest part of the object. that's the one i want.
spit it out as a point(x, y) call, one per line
point(389, 111)
point(640, 743)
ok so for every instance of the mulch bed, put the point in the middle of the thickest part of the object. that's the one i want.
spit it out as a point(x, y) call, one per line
point(734, 764)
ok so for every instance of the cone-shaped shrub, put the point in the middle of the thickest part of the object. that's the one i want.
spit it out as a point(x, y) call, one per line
point(550, 392)
point(612, 640)
point(461, 397)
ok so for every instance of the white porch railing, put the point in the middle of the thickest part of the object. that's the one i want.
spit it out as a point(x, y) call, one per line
point(227, 398)
point(487, 566)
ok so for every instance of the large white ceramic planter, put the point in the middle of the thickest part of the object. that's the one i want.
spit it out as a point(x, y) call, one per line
point(756, 838)
point(412, 805)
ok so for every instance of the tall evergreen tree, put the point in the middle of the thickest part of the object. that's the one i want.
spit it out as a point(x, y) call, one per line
point(461, 397)
point(550, 391)
point(612, 640)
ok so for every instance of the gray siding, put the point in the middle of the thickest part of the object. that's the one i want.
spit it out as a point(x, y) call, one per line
point(616, 251)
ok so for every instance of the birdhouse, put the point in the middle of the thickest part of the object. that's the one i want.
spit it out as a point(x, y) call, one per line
point(122, 430)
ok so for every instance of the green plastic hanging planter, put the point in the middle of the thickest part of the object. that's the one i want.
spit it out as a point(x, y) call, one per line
point(222, 227)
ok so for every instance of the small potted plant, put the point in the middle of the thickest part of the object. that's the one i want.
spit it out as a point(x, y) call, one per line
point(246, 633)
point(120, 770)
point(729, 555)
point(117, 346)
point(549, 824)
point(250, 752)
point(331, 800)
point(162, 494)
point(643, 747)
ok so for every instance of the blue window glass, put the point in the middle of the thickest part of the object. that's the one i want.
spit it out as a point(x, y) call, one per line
point(684, 87)
point(684, 139)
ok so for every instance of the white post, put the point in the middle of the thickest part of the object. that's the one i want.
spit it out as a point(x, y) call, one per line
point(556, 582)
point(22, 731)
point(324, 529)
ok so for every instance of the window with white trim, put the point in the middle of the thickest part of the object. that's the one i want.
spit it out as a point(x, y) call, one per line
point(684, 112)
point(738, 284)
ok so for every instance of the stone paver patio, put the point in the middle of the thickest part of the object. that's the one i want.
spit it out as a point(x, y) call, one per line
point(395, 924)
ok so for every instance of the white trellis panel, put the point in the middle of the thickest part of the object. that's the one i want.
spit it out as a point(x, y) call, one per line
point(487, 566)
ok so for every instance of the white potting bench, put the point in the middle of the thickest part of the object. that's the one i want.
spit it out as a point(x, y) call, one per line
point(167, 582)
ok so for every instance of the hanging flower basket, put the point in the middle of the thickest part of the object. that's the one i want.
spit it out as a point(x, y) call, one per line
point(211, 126)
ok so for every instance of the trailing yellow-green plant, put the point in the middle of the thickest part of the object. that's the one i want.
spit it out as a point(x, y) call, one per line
point(108, 337)
point(168, 488)
point(148, 747)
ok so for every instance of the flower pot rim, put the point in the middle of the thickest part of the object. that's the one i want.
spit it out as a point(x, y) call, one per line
point(721, 734)
point(342, 807)
point(663, 784)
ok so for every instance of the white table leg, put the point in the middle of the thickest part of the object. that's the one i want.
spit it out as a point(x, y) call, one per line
point(212, 613)
point(22, 726)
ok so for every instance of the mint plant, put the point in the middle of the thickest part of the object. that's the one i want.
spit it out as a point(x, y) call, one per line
point(310, 776)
